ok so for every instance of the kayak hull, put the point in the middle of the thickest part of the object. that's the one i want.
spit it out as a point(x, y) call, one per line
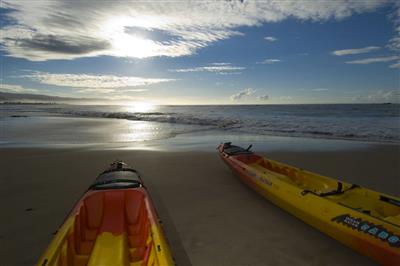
point(372, 237)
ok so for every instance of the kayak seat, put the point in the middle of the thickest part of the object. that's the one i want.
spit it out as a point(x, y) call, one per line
point(113, 220)
point(86, 233)
point(120, 216)
point(133, 207)
point(87, 223)
point(86, 247)
point(94, 207)
point(136, 214)
point(138, 227)
point(139, 240)
point(71, 257)
point(138, 232)
point(81, 246)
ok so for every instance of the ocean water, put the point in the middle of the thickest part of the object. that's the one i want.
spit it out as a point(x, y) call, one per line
point(78, 124)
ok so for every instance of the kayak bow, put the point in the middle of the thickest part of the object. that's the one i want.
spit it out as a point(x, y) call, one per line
point(114, 223)
point(362, 219)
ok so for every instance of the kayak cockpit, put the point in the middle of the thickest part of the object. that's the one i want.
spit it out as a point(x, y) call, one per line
point(291, 175)
point(110, 227)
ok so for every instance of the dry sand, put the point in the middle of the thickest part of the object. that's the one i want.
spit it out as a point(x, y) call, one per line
point(210, 217)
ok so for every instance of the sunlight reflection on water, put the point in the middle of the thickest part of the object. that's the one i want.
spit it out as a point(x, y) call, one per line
point(139, 131)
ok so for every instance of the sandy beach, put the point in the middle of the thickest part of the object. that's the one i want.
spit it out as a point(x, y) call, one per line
point(160, 85)
point(209, 216)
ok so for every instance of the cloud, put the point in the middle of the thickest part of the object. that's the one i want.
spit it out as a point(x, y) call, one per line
point(394, 43)
point(101, 91)
point(15, 88)
point(242, 94)
point(320, 89)
point(355, 51)
point(263, 97)
point(59, 44)
point(107, 90)
point(220, 64)
point(396, 65)
point(58, 29)
point(220, 68)
point(379, 96)
point(270, 39)
point(93, 82)
point(374, 60)
point(270, 61)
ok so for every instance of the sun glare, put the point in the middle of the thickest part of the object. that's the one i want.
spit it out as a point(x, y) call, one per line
point(133, 46)
point(140, 107)
point(130, 45)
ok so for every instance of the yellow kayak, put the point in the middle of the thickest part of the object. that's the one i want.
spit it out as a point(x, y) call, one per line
point(114, 223)
point(365, 220)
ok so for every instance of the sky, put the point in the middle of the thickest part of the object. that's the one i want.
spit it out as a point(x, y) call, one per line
point(203, 52)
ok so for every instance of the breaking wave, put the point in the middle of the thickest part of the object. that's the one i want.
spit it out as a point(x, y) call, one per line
point(373, 128)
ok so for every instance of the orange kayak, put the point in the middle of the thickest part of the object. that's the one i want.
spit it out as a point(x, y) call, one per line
point(362, 219)
point(114, 223)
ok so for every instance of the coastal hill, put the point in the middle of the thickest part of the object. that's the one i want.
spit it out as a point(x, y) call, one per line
point(6, 97)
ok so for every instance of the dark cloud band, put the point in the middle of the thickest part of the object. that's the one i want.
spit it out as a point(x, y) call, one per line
point(62, 44)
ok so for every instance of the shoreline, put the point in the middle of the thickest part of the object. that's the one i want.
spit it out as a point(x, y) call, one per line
point(203, 206)
point(208, 140)
point(53, 130)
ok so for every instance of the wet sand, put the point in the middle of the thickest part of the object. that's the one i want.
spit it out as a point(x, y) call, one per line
point(210, 217)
